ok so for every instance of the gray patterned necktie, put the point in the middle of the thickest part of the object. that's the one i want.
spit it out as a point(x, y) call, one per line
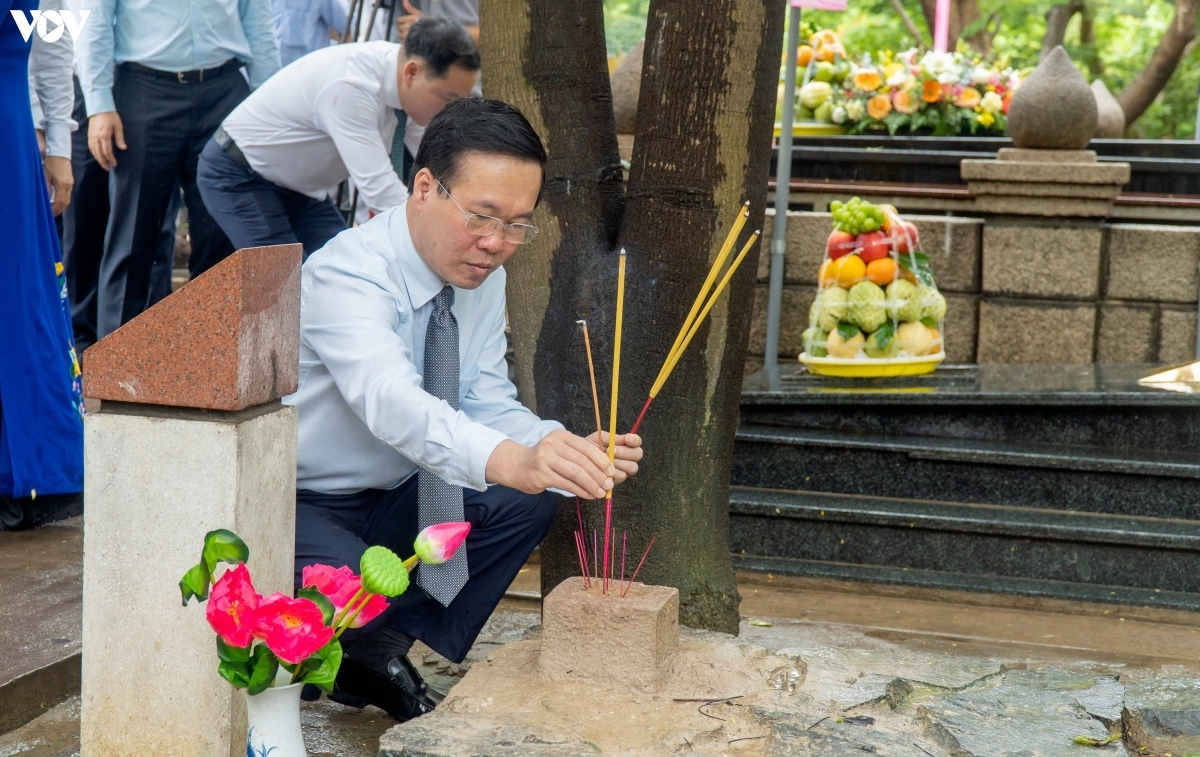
point(438, 501)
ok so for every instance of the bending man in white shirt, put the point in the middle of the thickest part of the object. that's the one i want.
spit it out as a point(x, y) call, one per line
point(405, 402)
point(339, 112)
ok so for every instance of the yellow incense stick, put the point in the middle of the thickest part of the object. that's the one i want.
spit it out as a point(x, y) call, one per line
point(670, 366)
point(616, 369)
point(587, 343)
point(726, 248)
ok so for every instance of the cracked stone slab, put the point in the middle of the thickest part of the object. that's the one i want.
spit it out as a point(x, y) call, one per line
point(1022, 713)
point(830, 738)
point(1163, 715)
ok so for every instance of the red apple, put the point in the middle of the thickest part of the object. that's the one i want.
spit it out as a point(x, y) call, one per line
point(905, 235)
point(840, 243)
point(875, 245)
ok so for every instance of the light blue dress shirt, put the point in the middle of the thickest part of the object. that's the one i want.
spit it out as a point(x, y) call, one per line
point(173, 35)
point(302, 26)
point(365, 421)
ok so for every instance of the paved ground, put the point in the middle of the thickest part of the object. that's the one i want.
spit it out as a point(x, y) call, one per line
point(878, 631)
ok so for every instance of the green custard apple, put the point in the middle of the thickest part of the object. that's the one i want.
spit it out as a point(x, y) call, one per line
point(814, 342)
point(824, 112)
point(933, 304)
point(882, 343)
point(866, 307)
point(815, 93)
point(832, 307)
point(904, 301)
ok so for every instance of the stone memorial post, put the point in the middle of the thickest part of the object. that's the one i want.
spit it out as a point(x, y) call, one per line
point(1046, 198)
point(190, 437)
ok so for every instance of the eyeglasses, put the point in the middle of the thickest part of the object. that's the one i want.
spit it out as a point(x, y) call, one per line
point(482, 226)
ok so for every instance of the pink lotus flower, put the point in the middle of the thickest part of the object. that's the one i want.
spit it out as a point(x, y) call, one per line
point(438, 543)
point(341, 585)
point(291, 628)
point(231, 606)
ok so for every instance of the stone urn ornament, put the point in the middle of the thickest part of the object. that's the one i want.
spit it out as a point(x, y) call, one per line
point(1054, 109)
point(1110, 122)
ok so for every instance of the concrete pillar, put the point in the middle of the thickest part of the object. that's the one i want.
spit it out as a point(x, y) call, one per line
point(157, 480)
point(190, 437)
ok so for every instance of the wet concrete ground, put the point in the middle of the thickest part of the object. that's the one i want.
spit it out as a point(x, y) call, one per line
point(889, 631)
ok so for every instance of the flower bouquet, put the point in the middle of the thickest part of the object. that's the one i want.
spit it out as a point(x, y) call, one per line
point(878, 311)
point(277, 643)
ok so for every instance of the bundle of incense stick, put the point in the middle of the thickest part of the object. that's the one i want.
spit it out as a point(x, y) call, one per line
point(590, 569)
point(703, 304)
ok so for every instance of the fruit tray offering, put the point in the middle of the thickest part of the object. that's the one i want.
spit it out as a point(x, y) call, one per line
point(878, 311)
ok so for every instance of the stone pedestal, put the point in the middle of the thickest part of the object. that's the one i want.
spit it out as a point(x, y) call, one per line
point(629, 641)
point(207, 446)
point(1045, 183)
point(157, 480)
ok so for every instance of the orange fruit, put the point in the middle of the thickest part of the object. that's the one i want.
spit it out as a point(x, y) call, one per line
point(827, 275)
point(849, 270)
point(804, 54)
point(825, 54)
point(882, 271)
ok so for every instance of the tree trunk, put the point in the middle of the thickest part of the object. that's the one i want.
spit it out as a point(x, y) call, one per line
point(909, 23)
point(1057, 19)
point(1140, 92)
point(702, 147)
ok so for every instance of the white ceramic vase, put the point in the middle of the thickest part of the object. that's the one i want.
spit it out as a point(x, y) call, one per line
point(273, 719)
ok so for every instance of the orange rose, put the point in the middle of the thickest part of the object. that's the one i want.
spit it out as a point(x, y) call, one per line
point(867, 80)
point(904, 101)
point(969, 98)
point(931, 92)
point(1007, 99)
point(879, 106)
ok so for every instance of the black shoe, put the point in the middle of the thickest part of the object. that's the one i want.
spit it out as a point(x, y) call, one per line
point(400, 691)
point(20, 513)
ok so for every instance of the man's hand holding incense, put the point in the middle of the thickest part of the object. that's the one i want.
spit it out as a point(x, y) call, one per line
point(559, 461)
point(627, 452)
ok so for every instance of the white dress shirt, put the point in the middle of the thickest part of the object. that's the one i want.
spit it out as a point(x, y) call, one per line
point(365, 421)
point(51, 86)
point(329, 115)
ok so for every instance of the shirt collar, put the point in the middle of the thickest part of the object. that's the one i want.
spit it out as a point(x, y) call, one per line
point(422, 283)
point(391, 91)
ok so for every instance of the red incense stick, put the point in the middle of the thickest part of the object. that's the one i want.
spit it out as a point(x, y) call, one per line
point(639, 565)
point(638, 422)
point(583, 571)
point(624, 538)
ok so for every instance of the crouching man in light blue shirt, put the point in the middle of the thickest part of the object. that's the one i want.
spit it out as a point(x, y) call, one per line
point(407, 416)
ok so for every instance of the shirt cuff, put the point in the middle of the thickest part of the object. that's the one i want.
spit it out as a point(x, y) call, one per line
point(99, 101)
point(473, 453)
point(58, 140)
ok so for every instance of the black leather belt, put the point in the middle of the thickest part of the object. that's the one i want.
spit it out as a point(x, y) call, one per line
point(187, 77)
point(226, 143)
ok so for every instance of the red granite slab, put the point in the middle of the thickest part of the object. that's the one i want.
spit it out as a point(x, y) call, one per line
point(227, 340)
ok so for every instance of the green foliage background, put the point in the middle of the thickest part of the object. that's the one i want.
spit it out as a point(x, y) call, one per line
point(1126, 31)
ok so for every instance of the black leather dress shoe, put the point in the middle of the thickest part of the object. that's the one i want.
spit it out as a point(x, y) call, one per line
point(400, 692)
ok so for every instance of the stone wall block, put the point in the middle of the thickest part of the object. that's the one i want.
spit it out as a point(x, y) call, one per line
point(961, 324)
point(792, 323)
point(1042, 261)
point(806, 235)
point(1020, 331)
point(1177, 335)
point(1125, 333)
point(1156, 263)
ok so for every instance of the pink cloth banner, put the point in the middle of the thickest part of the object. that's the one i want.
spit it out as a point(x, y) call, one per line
point(820, 5)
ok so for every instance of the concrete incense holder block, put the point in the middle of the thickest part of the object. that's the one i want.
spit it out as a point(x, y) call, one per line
point(629, 641)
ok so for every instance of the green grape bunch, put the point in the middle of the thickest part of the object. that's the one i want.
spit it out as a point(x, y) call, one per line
point(856, 216)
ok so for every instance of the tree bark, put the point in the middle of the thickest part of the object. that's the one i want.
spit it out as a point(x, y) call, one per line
point(963, 13)
point(1140, 92)
point(1057, 19)
point(702, 146)
point(909, 23)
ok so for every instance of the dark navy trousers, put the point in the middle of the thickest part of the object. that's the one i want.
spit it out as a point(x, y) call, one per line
point(255, 212)
point(506, 526)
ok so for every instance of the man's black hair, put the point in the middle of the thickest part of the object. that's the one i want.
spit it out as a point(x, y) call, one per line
point(442, 43)
point(475, 124)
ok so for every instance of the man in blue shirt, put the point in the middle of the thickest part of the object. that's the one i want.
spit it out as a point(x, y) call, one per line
point(304, 26)
point(407, 415)
point(158, 78)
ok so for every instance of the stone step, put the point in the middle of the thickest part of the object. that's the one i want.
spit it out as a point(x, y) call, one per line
point(1055, 476)
point(981, 547)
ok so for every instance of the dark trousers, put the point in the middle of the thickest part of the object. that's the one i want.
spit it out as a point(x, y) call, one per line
point(166, 126)
point(255, 212)
point(506, 525)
